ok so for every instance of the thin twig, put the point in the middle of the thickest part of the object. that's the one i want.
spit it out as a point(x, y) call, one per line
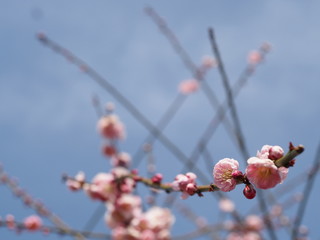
point(34, 204)
point(306, 194)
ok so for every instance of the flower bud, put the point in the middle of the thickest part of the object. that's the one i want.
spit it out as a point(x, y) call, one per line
point(157, 178)
point(249, 192)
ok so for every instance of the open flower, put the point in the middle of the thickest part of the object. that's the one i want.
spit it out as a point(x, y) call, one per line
point(264, 174)
point(222, 173)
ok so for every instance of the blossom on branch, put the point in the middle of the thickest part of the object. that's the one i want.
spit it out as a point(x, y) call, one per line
point(185, 183)
point(189, 86)
point(32, 223)
point(223, 174)
point(264, 174)
point(110, 127)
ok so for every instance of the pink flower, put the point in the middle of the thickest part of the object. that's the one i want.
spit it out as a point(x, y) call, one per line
point(32, 223)
point(188, 86)
point(158, 219)
point(109, 150)
point(121, 212)
point(254, 57)
point(264, 174)
point(254, 223)
point(185, 183)
point(102, 187)
point(110, 127)
point(76, 183)
point(226, 205)
point(270, 152)
point(122, 159)
point(222, 173)
point(10, 221)
point(208, 62)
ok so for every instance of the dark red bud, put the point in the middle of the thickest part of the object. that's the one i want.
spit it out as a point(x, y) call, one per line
point(249, 191)
point(157, 178)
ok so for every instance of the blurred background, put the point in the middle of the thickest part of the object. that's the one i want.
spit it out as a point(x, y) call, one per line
point(48, 121)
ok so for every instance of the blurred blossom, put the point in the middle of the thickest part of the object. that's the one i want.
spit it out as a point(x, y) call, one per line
point(110, 127)
point(32, 223)
point(189, 86)
point(226, 205)
point(254, 57)
point(122, 159)
point(208, 62)
point(254, 223)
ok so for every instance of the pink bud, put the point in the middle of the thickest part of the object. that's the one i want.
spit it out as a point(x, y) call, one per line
point(254, 57)
point(275, 152)
point(188, 86)
point(108, 150)
point(249, 192)
point(32, 223)
point(157, 178)
point(191, 188)
point(10, 221)
point(238, 175)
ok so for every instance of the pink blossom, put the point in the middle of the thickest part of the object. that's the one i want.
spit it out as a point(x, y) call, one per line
point(157, 178)
point(208, 62)
point(188, 86)
point(158, 219)
point(226, 205)
point(127, 184)
point(264, 174)
point(254, 223)
point(270, 152)
point(109, 150)
point(122, 159)
point(76, 183)
point(102, 187)
point(110, 127)
point(32, 223)
point(10, 221)
point(222, 173)
point(185, 183)
point(254, 57)
point(125, 208)
point(244, 236)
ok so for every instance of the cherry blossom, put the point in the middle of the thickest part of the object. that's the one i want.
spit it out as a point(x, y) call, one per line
point(222, 174)
point(110, 127)
point(264, 174)
point(185, 183)
point(189, 86)
point(32, 223)
point(270, 152)
point(254, 57)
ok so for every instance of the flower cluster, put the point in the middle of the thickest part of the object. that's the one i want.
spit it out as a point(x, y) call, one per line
point(186, 183)
point(261, 171)
point(250, 228)
point(124, 214)
point(31, 223)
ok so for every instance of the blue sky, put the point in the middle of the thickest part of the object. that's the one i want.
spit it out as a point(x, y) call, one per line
point(48, 124)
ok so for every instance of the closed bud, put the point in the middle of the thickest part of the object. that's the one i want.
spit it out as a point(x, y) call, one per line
point(249, 192)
